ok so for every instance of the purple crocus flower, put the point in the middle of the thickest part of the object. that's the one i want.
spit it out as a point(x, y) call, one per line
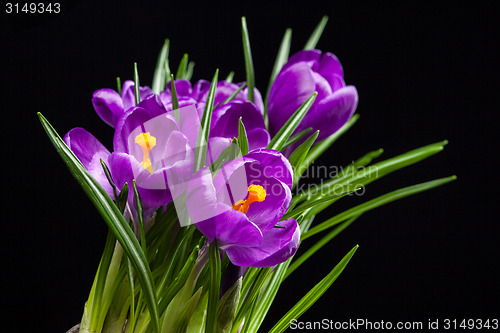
point(223, 91)
point(150, 146)
point(241, 206)
point(304, 73)
point(199, 92)
point(110, 105)
point(225, 120)
point(225, 117)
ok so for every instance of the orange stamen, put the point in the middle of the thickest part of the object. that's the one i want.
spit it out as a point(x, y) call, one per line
point(255, 193)
point(147, 142)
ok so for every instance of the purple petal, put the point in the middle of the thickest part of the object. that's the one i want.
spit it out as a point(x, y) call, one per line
point(258, 138)
point(273, 164)
point(128, 94)
point(182, 88)
point(124, 169)
point(90, 152)
point(291, 88)
point(309, 57)
point(330, 65)
point(232, 181)
point(332, 112)
point(278, 245)
point(199, 89)
point(108, 105)
point(148, 116)
point(216, 146)
point(225, 118)
point(215, 219)
point(258, 101)
point(84, 145)
point(278, 196)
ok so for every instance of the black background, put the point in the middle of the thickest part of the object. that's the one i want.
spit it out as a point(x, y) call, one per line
point(424, 73)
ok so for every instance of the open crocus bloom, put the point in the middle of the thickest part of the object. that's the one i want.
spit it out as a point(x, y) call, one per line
point(241, 207)
point(304, 73)
point(150, 146)
point(110, 105)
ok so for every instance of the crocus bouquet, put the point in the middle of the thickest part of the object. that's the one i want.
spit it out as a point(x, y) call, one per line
point(203, 192)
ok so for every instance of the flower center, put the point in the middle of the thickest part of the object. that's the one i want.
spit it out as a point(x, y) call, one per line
point(255, 193)
point(147, 142)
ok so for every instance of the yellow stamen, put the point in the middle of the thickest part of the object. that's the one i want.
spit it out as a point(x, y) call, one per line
point(255, 193)
point(147, 142)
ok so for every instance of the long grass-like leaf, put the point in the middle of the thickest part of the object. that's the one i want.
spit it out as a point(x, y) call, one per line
point(281, 59)
point(242, 137)
point(296, 137)
point(377, 202)
point(159, 77)
point(299, 154)
point(322, 146)
point(313, 295)
point(315, 36)
point(111, 215)
point(137, 90)
point(214, 292)
point(247, 52)
point(183, 65)
point(201, 144)
point(280, 139)
point(318, 245)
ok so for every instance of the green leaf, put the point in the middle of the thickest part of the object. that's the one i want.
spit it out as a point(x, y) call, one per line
point(121, 201)
point(268, 293)
point(314, 203)
point(94, 302)
point(251, 297)
point(377, 202)
point(189, 71)
point(229, 77)
point(137, 92)
point(242, 137)
point(360, 162)
point(203, 134)
point(227, 307)
point(280, 139)
point(299, 154)
point(140, 217)
point(296, 137)
point(315, 36)
point(313, 295)
point(182, 69)
point(234, 94)
point(215, 279)
point(281, 59)
point(130, 274)
point(111, 215)
point(322, 146)
point(160, 77)
point(107, 173)
point(175, 101)
point(197, 321)
point(177, 313)
point(318, 245)
point(118, 85)
point(179, 282)
point(376, 171)
point(247, 52)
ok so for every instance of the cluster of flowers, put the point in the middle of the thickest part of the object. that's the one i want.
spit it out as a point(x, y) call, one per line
point(238, 205)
